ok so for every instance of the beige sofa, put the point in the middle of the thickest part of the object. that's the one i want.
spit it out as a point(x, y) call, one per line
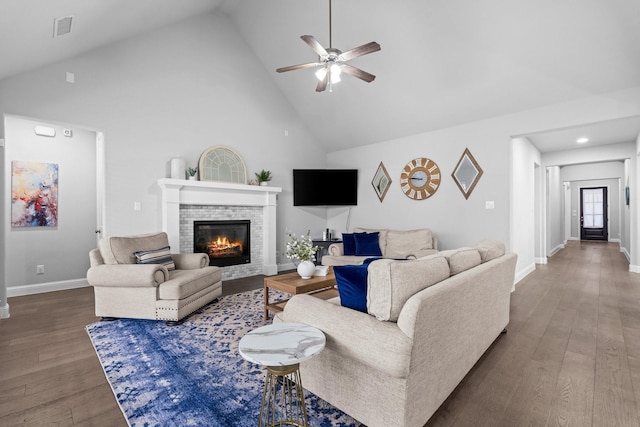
point(124, 288)
point(393, 244)
point(429, 321)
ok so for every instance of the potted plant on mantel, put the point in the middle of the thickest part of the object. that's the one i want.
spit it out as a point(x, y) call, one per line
point(301, 252)
point(263, 177)
point(191, 172)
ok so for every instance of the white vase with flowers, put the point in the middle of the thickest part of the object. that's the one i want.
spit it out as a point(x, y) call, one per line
point(301, 252)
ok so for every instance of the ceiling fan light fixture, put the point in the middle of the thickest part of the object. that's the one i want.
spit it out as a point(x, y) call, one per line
point(335, 76)
point(321, 73)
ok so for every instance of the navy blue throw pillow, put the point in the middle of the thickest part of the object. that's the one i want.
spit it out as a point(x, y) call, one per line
point(367, 244)
point(352, 285)
point(348, 244)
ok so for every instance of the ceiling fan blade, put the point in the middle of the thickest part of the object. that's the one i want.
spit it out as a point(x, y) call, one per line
point(297, 67)
point(322, 84)
point(315, 45)
point(360, 50)
point(357, 72)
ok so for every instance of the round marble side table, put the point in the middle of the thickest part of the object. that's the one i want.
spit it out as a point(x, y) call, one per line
point(281, 347)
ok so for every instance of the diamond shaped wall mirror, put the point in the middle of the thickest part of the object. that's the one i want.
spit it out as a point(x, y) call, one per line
point(467, 173)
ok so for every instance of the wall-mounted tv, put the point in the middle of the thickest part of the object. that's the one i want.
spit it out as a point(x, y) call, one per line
point(325, 187)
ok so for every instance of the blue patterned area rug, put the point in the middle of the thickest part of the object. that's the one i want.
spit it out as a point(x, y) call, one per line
point(192, 374)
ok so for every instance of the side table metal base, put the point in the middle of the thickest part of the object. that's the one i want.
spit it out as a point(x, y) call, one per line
point(283, 398)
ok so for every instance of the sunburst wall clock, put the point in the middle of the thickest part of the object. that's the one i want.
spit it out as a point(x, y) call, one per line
point(420, 178)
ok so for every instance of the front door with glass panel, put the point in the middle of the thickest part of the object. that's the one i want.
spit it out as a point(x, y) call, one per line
point(593, 214)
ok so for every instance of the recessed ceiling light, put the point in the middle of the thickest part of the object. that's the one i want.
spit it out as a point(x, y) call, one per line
point(582, 140)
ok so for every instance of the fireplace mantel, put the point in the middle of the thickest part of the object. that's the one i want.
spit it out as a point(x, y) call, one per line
point(176, 192)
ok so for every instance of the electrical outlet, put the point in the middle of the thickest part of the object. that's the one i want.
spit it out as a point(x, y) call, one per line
point(40, 269)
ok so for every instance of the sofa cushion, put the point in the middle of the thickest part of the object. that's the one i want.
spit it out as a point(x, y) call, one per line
point(367, 244)
point(391, 283)
point(184, 283)
point(348, 244)
point(352, 285)
point(490, 249)
point(160, 256)
point(382, 237)
point(461, 259)
point(403, 244)
point(119, 250)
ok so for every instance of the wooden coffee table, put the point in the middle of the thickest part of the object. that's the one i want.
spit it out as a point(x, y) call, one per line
point(291, 283)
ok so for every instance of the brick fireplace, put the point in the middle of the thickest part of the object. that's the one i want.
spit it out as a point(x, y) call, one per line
point(185, 202)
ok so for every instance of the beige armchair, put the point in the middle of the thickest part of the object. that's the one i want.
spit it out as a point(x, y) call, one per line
point(126, 286)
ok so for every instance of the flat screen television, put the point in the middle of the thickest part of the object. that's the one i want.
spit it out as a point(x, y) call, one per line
point(325, 187)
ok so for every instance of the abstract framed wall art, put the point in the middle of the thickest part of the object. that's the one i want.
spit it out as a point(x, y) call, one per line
point(381, 181)
point(34, 194)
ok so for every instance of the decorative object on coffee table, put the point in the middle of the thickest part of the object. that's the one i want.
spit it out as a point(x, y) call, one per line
point(281, 347)
point(301, 251)
point(467, 173)
point(420, 178)
point(381, 182)
point(222, 163)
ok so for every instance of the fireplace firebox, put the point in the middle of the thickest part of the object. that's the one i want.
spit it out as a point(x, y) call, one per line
point(226, 242)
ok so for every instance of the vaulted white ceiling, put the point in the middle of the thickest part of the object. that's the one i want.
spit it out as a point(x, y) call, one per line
point(442, 63)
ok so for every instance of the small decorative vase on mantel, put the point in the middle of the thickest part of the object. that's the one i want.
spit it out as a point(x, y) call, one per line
point(306, 269)
point(191, 174)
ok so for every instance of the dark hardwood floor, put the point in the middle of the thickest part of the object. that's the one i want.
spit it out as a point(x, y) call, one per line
point(571, 356)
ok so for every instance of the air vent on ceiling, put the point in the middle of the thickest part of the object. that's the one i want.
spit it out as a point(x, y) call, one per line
point(62, 26)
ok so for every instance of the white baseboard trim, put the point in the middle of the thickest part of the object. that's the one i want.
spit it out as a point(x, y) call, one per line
point(626, 253)
point(540, 260)
point(574, 238)
point(4, 311)
point(614, 240)
point(522, 274)
point(554, 251)
point(39, 288)
point(634, 268)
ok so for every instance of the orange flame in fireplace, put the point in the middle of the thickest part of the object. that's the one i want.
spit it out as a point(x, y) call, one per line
point(221, 246)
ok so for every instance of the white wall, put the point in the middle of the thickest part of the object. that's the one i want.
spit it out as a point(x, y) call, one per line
point(525, 160)
point(4, 306)
point(625, 241)
point(555, 209)
point(74, 236)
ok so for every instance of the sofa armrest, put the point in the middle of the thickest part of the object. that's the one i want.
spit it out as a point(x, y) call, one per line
point(384, 347)
point(434, 241)
point(335, 249)
point(95, 258)
point(127, 275)
point(190, 261)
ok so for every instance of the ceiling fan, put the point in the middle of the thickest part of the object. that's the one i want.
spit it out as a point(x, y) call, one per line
point(333, 61)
